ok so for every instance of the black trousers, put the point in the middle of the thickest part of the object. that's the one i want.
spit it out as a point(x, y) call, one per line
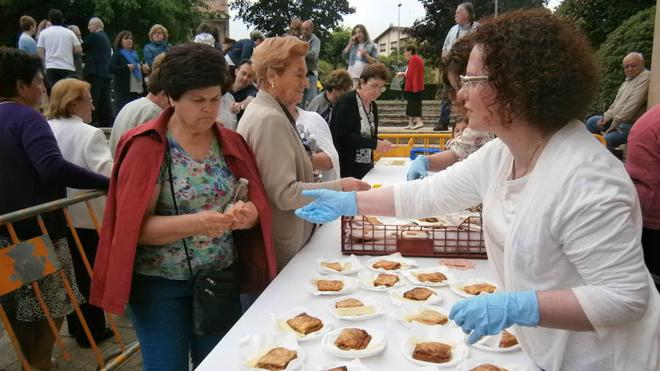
point(102, 115)
point(93, 315)
point(650, 244)
point(53, 75)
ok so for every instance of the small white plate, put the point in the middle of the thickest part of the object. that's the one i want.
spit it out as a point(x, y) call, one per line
point(295, 364)
point(350, 265)
point(491, 343)
point(366, 281)
point(392, 220)
point(470, 363)
point(376, 344)
point(397, 296)
point(350, 284)
point(354, 365)
point(457, 287)
point(406, 311)
point(405, 263)
point(458, 353)
point(377, 309)
point(280, 322)
point(411, 275)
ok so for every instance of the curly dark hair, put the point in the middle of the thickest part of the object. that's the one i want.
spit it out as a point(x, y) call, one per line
point(456, 60)
point(338, 80)
point(540, 65)
point(192, 66)
point(17, 65)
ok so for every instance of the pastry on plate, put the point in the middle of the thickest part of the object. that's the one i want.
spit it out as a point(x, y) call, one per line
point(478, 288)
point(488, 367)
point(507, 340)
point(349, 303)
point(418, 293)
point(430, 317)
point(277, 359)
point(387, 265)
point(434, 277)
point(352, 338)
point(329, 285)
point(387, 280)
point(304, 323)
point(340, 368)
point(429, 220)
point(432, 352)
point(335, 266)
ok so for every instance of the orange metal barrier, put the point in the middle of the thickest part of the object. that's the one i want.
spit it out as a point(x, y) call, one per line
point(404, 143)
point(37, 255)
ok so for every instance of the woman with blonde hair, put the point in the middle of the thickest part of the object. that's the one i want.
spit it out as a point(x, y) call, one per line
point(69, 113)
point(284, 160)
point(158, 36)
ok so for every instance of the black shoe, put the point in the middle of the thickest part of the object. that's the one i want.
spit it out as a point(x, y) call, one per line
point(84, 343)
point(437, 128)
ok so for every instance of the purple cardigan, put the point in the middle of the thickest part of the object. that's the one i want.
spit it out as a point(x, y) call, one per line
point(33, 169)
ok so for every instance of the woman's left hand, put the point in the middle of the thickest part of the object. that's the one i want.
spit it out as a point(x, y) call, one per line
point(145, 69)
point(245, 215)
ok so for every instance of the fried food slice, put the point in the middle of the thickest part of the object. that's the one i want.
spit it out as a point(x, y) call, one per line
point(387, 265)
point(340, 368)
point(353, 338)
point(418, 293)
point(430, 317)
point(432, 352)
point(305, 324)
point(277, 359)
point(329, 285)
point(507, 340)
point(349, 303)
point(478, 288)
point(431, 277)
point(387, 280)
point(335, 266)
point(488, 367)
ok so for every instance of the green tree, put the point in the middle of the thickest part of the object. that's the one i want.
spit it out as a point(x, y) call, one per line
point(600, 17)
point(431, 30)
point(273, 16)
point(634, 34)
point(333, 45)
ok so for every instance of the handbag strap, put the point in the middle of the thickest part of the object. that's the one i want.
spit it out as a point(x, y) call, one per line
point(176, 208)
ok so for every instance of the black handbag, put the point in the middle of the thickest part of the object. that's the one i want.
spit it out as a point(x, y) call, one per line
point(216, 300)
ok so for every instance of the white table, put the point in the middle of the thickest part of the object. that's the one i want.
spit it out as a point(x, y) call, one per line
point(289, 290)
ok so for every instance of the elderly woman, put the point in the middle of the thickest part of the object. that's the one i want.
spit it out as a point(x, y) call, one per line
point(354, 123)
point(359, 52)
point(469, 140)
point(336, 85)
point(562, 221)
point(127, 70)
point(69, 113)
point(169, 217)
point(35, 173)
point(158, 36)
point(270, 130)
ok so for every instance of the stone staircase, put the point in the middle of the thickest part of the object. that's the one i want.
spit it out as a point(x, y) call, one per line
point(392, 116)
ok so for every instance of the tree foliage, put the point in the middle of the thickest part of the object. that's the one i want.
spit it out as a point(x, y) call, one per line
point(180, 17)
point(333, 45)
point(273, 16)
point(598, 18)
point(634, 34)
point(431, 30)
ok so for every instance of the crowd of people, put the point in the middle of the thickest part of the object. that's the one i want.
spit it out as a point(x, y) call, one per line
point(196, 124)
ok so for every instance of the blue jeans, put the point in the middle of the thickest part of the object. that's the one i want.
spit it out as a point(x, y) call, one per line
point(614, 138)
point(161, 311)
point(310, 92)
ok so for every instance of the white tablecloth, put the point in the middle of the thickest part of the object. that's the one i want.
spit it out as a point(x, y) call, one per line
point(289, 290)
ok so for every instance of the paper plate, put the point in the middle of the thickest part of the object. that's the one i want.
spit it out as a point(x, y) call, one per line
point(397, 296)
point(458, 354)
point(368, 302)
point(405, 263)
point(491, 343)
point(376, 345)
point(280, 322)
point(350, 284)
point(406, 311)
point(366, 280)
point(411, 275)
point(350, 265)
point(457, 286)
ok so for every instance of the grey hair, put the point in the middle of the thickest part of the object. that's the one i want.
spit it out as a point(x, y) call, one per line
point(637, 55)
point(98, 21)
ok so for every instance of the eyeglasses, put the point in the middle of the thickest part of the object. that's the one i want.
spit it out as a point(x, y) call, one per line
point(466, 81)
point(375, 86)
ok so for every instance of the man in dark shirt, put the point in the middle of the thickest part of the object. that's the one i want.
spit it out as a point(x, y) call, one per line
point(243, 89)
point(242, 49)
point(97, 51)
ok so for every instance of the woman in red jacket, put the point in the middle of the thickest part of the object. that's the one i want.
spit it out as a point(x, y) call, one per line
point(414, 87)
point(167, 215)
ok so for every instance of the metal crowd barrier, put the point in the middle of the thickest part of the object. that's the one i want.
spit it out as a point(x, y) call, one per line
point(25, 262)
point(404, 143)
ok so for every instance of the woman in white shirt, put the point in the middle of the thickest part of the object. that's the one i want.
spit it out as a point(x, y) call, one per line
point(561, 218)
point(69, 111)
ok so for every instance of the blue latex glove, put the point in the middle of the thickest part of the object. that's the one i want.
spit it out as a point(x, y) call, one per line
point(418, 168)
point(327, 206)
point(491, 313)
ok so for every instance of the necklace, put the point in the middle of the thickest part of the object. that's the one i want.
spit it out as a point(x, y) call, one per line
point(538, 145)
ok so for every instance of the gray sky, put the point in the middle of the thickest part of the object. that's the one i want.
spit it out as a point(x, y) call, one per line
point(376, 15)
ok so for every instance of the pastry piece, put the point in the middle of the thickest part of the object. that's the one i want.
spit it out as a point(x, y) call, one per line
point(387, 280)
point(333, 265)
point(429, 220)
point(277, 359)
point(353, 338)
point(387, 265)
point(430, 317)
point(431, 277)
point(507, 340)
point(478, 288)
point(418, 293)
point(488, 367)
point(349, 303)
point(305, 324)
point(432, 352)
point(340, 368)
point(329, 285)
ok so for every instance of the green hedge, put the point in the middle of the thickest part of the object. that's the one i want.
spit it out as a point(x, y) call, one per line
point(634, 35)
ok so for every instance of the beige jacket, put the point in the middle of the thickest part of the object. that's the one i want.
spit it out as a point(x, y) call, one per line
point(630, 101)
point(286, 171)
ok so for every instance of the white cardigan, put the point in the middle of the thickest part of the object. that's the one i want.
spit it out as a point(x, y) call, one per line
point(578, 226)
point(85, 146)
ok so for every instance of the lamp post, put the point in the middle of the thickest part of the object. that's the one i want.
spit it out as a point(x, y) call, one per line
point(496, 6)
point(398, 33)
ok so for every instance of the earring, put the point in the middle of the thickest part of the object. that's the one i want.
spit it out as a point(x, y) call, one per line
point(272, 84)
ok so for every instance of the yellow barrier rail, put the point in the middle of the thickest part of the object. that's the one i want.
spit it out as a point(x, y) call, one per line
point(404, 143)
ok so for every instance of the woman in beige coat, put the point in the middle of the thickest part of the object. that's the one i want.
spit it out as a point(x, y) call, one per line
point(282, 157)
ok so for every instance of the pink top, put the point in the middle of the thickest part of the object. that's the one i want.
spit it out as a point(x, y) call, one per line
point(643, 164)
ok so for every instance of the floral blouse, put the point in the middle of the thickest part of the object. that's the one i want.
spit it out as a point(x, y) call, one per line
point(198, 185)
point(468, 142)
